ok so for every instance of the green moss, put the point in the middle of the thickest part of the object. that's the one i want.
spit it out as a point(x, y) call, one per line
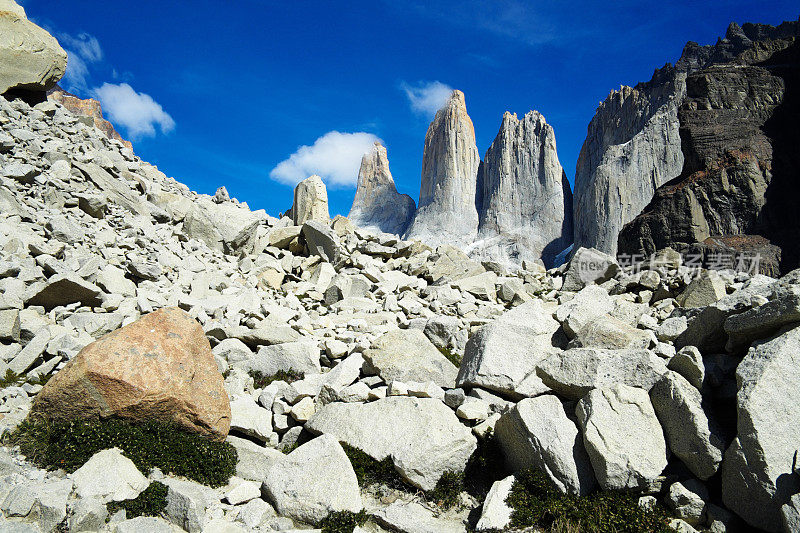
point(452, 357)
point(536, 502)
point(151, 502)
point(286, 450)
point(260, 380)
point(369, 471)
point(11, 378)
point(68, 445)
point(342, 521)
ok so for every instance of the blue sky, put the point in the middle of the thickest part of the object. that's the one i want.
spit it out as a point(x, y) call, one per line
point(220, 93)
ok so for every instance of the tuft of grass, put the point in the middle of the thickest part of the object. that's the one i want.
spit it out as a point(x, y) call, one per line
point(342, 521)
point(11, 378)
point(536, 502)
point(151, 502)
point(55, 444)
point(452, 357)
point(260, 380)
point(447, 490)
point(369, 471)
point(39, 380)
point(485, 466)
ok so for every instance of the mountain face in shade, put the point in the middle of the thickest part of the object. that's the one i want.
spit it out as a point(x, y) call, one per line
point(738, 190)
point(525, 203)
point(377, 204)
point(633, 144)
point(447, 212)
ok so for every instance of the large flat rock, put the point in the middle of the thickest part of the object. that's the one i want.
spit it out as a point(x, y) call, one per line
point(408, 355)
point(573, 373)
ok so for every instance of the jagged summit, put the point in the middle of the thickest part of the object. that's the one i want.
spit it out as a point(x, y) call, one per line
point(633, 144)
point(525, 207)
point(446, 211)
point(377, 204)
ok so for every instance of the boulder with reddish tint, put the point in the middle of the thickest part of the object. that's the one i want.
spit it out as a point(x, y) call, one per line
point(159, 368)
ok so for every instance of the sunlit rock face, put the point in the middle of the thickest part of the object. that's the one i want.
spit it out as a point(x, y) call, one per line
point(447, 212)
point(525, 202)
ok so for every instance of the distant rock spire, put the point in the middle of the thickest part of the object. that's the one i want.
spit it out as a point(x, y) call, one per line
point(447, 212)
point(526, 201)
point(377, 204)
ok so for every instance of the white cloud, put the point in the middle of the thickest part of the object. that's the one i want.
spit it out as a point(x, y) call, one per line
point(137, 112)
point(335, 157)
point(82, 51)
point(86, 45)
point(427, 97)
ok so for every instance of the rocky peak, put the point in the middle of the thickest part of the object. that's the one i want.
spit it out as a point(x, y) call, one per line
point(737, 191)
point(633, 145)
point(447, 212)
point(377, 204)
point(631, 148)
point(88, 108)
point(526, 202)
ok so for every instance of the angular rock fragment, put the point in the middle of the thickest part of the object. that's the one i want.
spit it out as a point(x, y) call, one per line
point(758, 470)
point(537, 433)
point(312, 481)
point(691, 435)
point(421, 435)
point(502, 355)
point(623, 437)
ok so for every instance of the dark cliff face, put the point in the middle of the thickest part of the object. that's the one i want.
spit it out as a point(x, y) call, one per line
point(738, 189)
point(633, 144)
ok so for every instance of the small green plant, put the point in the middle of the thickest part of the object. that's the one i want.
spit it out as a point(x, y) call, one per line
point(485, 466)
point(286, 450)
point(369, 471)
point(260, 380)
point(69, 444)
point(342, 521)
point(452, 357)
point(39, 380)
point(447, 490)
point(151, 502)
point(11, 378)
point(536, 502)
